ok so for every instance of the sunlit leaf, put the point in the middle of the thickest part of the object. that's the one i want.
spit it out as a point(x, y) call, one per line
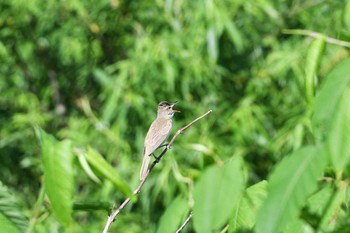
point(7, 225)
point(246, 209)
point(331, 91)
point(319, 201)
point(298, 225)
point(333, 210)
point(85, 165)
point(57, 159)
point(289, 186)
point(216, 193)
point(12, 218)
point(338, 137)
point(107, 171)
point(173, 216)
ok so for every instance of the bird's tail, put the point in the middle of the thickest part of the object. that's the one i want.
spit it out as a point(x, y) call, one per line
point(144, 167)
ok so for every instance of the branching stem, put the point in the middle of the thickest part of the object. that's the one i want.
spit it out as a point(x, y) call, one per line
point(316, 35)
point(185, 223)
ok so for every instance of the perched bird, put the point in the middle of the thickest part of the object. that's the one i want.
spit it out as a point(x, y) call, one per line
point(157, 133)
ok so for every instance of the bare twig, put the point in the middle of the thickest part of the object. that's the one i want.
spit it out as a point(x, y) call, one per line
point(185, 223)
point(316, 35)
point(113, 216)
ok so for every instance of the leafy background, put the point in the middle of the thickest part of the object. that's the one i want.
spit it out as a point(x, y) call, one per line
point(80, 83)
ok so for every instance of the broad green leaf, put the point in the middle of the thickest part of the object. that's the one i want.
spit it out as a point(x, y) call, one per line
point(298, 226)
point(313, 59)
point(334, 208)
point(7, 226)
point(172, 218)
point(338, 138)
point(319, 201)
point(107, 171)
point(245, 211)
point(12, 218)
point(57, 161)
point(331, 91)
point(216, 193)
point(289, 185)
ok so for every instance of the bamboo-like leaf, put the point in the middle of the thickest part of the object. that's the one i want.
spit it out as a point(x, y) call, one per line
point(338, 138)
point(244, 214)
point(216, 193)
point(313, 59)
point(212, 44)
point(107, 171)
point(173, 216)
point(11, 214)
point(289, 185)
point(86, 167)
point(57, 161)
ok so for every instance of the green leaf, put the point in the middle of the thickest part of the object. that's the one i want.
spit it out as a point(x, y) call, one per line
point(235, 35)
point(7, 226)
point(85, 165)
point(330, 93)
point(319, 201)
point(216, 193)
point(334, 208)
point(57, 161)
point(11, 213)
point(212, 44)
point(289, 185)
point(245, 212)
point(339, 133)
point(313, 59)
point(107, 171)
point(172, 218)
point(298, 225)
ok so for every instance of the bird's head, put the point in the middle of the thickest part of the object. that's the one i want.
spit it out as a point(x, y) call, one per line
point(165, 109)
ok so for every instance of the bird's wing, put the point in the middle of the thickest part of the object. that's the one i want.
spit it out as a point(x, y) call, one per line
point(157, 134)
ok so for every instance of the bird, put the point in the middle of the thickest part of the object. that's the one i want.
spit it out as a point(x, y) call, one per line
point(157, 134)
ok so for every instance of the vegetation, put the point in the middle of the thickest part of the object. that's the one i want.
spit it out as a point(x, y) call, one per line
point(80, 84)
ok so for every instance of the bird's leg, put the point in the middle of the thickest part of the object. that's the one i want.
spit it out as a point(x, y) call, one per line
point(163, 145)
point(156, 158)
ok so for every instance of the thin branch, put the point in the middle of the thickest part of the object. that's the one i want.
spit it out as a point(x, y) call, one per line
point(316, 35)
point(185, 223)
point(180, 131)
point(113, 216)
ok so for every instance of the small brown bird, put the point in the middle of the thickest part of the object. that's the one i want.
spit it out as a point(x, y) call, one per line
point(157, 133)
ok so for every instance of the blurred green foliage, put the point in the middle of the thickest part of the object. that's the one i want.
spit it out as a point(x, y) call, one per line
point(93, 72)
